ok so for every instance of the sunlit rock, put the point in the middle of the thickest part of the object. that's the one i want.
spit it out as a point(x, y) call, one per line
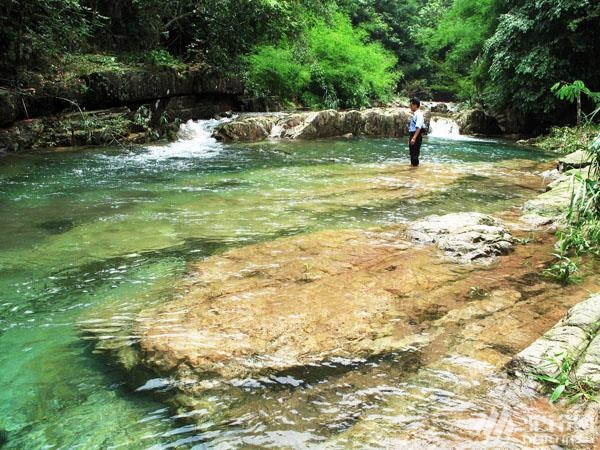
point(306, 300)
point(246, 129)
point(476, 121)
point(574, 160)
point(567, 340)
point(288, 303)
point(589, 364)
point(464, 236)
point(375, 122)
point(550, 207)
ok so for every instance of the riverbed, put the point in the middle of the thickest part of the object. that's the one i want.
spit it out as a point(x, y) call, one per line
point(116, 229)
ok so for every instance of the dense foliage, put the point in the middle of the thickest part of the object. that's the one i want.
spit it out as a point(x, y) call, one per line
point(502, 54)
point(34, 31)
point(333, 68)
point(455, 47)
point(537, 44)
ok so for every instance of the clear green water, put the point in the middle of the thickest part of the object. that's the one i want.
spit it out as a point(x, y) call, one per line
point(114, 229)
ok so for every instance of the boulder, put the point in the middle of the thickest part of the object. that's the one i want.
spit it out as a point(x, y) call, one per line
point(253, 128)
point(440, 108)
point(476, 121)
point(290, 303)
point(574, 160)
point(464, 237)
point(319, 124)
point(299, 302)
point(22, 136)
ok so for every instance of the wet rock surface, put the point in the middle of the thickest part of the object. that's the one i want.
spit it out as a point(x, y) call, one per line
point(289, 303)
point(380, 122)
point(306, 300)
point(294, 311)
point(290, 311)
point(476, 121)
point(549, 208)
point(574, 160)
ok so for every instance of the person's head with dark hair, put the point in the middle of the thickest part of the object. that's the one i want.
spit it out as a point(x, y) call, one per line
point(415, 101)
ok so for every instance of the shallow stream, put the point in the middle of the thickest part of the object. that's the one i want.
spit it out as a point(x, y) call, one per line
point(112, 228)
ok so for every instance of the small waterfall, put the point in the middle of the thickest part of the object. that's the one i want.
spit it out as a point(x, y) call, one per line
point(444, 127)
point(194, 141)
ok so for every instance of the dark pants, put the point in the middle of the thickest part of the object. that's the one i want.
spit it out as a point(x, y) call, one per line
point(414, 149)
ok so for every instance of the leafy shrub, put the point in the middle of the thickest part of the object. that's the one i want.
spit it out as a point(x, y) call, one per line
point(162, 58)
point(564, 384)
point(276, 71)
point(565, 140)
point(334, 67)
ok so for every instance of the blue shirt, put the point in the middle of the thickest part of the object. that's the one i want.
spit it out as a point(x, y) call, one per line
point(416, 121)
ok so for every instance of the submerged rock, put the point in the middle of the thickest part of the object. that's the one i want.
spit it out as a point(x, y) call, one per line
point(309, 300)
point(284, 304)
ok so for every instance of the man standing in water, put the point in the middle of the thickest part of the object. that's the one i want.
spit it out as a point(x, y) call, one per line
point(415, 137)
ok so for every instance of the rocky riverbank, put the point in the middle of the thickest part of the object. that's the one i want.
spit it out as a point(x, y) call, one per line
point(321, 297)
point(113, 107)
point(138, 106)
point(390, 122)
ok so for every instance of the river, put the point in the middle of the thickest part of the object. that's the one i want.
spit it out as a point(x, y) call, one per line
point(112, 228)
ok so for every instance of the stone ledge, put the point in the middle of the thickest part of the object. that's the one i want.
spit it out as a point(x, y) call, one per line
point(572, 337)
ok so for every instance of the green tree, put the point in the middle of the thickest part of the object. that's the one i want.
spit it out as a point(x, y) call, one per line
point(32, 30)
point(572, 93)
point(395, 25)
point(219, 32)
point(332, 66)
point(535, 44)
point(275, 70)
point(455, 43)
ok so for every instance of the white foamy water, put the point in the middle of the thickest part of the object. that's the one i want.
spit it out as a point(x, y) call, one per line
point(194, 141)
point(442, 127)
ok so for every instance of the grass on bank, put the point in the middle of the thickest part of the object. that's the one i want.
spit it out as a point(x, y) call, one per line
point(565, 385)
point(581, 236)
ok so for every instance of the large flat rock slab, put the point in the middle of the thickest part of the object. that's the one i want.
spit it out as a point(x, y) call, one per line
point(309, 299)
point(289, 303)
